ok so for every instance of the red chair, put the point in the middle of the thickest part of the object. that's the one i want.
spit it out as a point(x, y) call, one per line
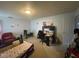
point(8, 37)
point(72, 52)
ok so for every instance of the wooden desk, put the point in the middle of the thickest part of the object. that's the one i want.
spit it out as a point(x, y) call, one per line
point(48, 37)
point(49, 34)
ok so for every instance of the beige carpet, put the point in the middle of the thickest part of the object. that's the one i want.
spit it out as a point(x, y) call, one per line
point(15, 43)
point(43, 51)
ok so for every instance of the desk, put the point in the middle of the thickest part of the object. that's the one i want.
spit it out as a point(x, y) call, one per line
point(48, 37)
point(49, 34)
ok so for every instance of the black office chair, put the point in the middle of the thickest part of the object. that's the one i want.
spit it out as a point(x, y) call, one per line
point(25, 34)
point(41, 36)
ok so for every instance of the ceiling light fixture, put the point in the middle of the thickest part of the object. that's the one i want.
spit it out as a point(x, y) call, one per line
point(28, 12)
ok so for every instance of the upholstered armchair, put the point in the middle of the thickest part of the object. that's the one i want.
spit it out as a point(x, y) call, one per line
point(8, 37)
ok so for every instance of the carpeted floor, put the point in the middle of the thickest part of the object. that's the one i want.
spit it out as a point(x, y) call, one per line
point(43, 51)
point(15, 43)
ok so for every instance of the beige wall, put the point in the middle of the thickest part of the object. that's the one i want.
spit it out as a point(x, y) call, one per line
point(63, 22)
point(17, 26)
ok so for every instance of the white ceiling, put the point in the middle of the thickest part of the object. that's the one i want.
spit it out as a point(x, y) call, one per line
point(16, 9)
